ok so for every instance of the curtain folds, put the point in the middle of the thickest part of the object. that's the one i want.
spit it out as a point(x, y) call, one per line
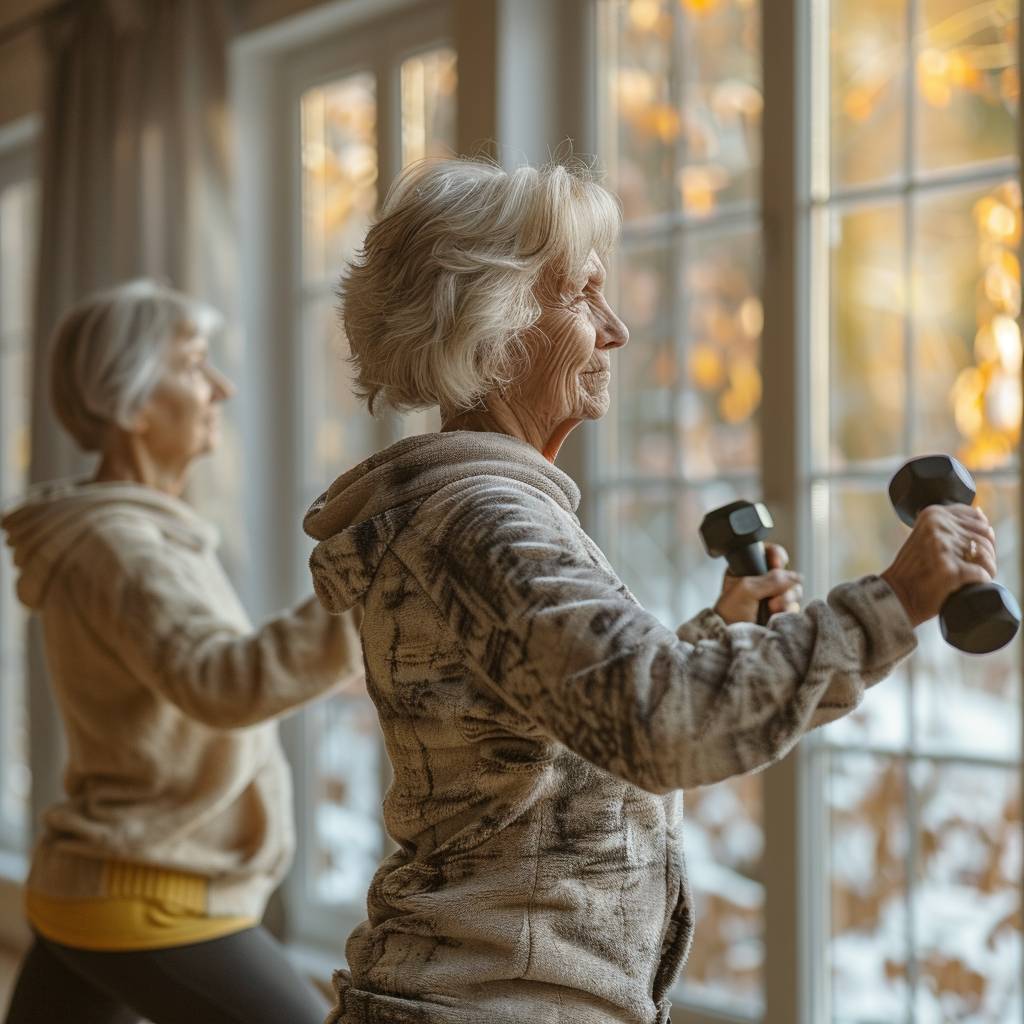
point(135, 180)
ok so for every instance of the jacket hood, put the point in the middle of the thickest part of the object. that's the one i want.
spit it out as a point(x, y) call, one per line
point(360, 514)
point(44, 530)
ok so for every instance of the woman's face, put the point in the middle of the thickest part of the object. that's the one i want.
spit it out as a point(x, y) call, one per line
point(181, 417)
point(569, 350)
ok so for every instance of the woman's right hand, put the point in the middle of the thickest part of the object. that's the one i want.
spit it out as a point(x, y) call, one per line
point(949, 547)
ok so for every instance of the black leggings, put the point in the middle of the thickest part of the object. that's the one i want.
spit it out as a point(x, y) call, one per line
point(243, 978)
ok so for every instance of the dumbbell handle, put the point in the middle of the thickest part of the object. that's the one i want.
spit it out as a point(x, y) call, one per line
point(751, 561)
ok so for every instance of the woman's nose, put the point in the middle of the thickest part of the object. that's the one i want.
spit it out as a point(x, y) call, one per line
point(614, 333)
point(223, 389)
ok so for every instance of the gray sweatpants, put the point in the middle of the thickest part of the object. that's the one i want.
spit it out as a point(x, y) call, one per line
point(243, 978)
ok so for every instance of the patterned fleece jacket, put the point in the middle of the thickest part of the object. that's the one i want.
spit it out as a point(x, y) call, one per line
point(541, 724)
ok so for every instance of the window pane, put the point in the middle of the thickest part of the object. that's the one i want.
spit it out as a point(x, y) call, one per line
point(866, 369)
point(723, 99)
point(347, 780)
point(428, 105)
point(967, 82)
point(341, 431)
point(868, 65)
point(638, 538)
point(968, 345)
point(967, 906)
point(724, 843)
point(18, 214)
point(868, 853)
point(645, 374)
point(339, 171)
point(862, 536)
point(724, 317)
point(640, 115)
point(17, 252)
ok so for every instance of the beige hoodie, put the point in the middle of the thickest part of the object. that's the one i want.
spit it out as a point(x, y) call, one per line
point(540, 724)
point(167, 695)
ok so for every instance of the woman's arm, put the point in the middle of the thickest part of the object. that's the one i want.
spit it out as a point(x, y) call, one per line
point(549, 628)
point(155, 617)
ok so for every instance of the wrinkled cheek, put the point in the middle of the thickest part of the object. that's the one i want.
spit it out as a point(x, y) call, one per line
point(560, 377)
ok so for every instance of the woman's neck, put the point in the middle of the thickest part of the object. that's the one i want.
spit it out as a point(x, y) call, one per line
point(502, 418)
point(131, 463)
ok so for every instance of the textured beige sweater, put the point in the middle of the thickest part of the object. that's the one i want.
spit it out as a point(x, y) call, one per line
point(167, 696)
point(541, 723)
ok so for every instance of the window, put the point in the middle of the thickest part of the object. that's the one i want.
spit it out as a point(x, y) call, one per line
point(908, 213)
point(17, 252)
point(679, 131)
point(363, 110)
point(915, 220)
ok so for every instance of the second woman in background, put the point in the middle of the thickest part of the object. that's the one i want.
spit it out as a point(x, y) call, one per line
point(150, 878)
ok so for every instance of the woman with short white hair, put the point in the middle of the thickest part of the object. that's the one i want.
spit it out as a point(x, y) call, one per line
point(541, 724)
point(150, 877)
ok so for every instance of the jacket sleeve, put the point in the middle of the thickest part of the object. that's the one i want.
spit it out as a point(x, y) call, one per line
point(551, 627)
point(157, 618)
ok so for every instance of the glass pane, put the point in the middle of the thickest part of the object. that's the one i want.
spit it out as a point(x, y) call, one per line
point(722, 103)
point(868, 111)
point(866, 369)
point(347, 762)
point(645, 374)
point(641, 124)
point(721, 289)
point(868, 851)
point(967, 82)
point(339, 171)
point(724, 843)
point(967, 904)
point(863, 536)
point(723, 831)
point(638, 533)
point(965, 704)
point(967, 384)
point(340, 429)
point(17, 254)
point(428, 105)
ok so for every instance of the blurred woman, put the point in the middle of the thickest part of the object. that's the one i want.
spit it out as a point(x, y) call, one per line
point(540, 722)
point(150, 878)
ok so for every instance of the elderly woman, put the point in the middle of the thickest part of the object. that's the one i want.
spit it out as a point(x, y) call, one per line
point(150, 878)
point(540, 722)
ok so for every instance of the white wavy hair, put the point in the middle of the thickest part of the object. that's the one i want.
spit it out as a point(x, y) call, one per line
point(109, 351)
point(436, 303)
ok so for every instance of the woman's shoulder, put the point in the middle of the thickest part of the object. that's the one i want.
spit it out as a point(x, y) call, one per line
point(498, 497)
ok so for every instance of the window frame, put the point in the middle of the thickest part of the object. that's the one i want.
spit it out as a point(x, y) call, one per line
point(795, 867)
point(277, 68)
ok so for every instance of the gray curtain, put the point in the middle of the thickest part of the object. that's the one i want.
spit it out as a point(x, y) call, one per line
point(135, 179)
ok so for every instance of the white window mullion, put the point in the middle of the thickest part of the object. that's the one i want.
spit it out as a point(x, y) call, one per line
point(792, 851)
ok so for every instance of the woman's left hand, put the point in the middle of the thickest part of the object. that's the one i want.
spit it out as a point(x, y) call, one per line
point(741, 594)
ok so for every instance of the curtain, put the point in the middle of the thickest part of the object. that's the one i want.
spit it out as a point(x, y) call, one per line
point(135, 180)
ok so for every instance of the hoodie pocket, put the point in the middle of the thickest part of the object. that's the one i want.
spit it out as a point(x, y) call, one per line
point(678, 932)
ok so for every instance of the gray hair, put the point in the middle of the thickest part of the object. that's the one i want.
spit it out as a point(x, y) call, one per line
point(109, 351)
point(444, 289)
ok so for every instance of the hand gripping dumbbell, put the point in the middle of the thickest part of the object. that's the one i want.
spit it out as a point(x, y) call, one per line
point(737, 531)
point(979, 617)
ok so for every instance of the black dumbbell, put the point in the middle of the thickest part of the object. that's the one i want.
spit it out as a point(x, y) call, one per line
point(737, 531)
point(977, 618)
